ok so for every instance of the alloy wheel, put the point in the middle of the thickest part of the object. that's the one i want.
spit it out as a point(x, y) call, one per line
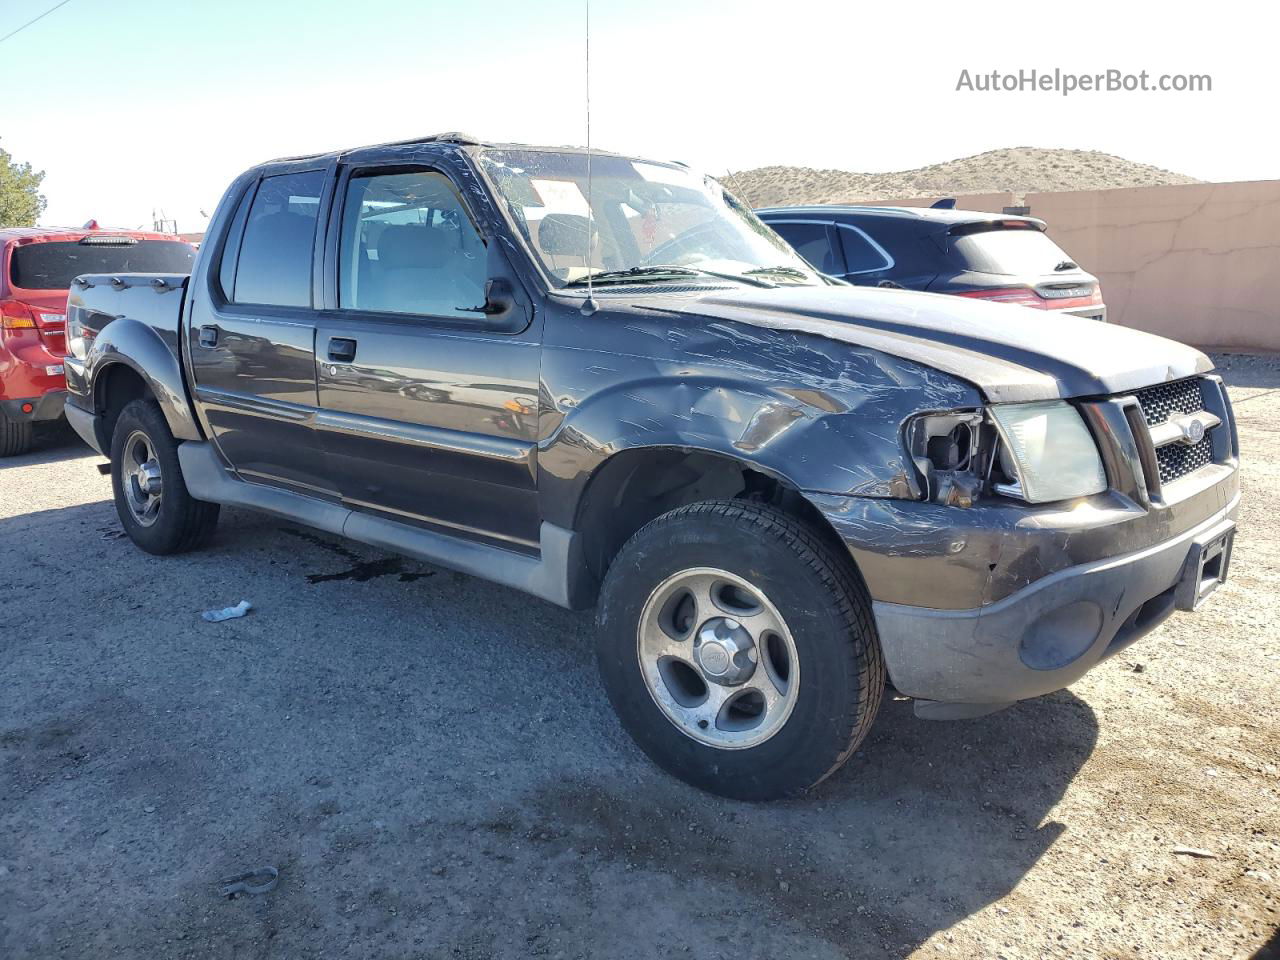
point(717, 658)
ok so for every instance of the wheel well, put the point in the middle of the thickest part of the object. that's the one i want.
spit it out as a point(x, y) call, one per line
point(637, 486)
point(117, 386)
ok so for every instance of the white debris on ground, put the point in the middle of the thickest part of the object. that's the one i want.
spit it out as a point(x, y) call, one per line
point(227, 613)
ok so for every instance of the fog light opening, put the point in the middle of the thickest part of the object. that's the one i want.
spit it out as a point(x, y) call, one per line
point(1061, 636)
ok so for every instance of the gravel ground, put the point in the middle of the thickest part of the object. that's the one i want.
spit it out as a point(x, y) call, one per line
point(431, 764)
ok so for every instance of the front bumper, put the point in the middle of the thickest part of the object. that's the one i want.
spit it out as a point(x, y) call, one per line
point(1046, 635)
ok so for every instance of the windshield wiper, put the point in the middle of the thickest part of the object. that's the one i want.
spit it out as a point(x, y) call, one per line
point(782, 271)
point(633, 273)
point(1066, 265)
point(654, 273)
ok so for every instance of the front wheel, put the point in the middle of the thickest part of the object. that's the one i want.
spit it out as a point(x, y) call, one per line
point(738, 649)
point(152, 501)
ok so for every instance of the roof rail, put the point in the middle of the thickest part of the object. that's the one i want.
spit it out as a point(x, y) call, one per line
point(452, 136)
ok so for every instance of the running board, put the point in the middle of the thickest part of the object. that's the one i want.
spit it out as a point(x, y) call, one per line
point(558, 575)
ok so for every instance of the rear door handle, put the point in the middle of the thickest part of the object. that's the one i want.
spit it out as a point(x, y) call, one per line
point(208, 336)
point(342, 350)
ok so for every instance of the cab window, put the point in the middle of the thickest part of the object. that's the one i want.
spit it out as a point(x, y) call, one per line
point(274, 266)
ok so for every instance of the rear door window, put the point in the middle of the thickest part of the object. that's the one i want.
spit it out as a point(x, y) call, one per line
point(1011, 251)
point(53, 265)
point(813, 241)
point(861, 253)
point(274, 266)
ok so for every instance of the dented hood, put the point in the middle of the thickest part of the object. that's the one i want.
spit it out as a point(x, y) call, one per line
point(1011, 353)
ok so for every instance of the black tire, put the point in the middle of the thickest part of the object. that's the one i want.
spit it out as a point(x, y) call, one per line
point(15, 436)
point(181, 522)
point(824, 603)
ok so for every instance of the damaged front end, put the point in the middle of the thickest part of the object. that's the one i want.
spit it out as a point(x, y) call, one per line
point(1044, 538)
point(1038, 452)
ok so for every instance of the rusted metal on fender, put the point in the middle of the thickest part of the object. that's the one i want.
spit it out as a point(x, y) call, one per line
point(134, 318)
point(820, 415)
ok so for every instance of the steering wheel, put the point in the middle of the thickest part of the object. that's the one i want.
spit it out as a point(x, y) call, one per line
point(669, 250)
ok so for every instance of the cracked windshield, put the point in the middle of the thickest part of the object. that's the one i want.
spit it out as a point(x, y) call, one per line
point(649, 222)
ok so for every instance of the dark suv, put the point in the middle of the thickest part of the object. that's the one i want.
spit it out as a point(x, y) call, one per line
point(620, 389)
point(988, 256)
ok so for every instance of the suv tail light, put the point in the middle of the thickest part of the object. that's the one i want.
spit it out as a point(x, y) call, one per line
point(18, 325)
point(16, 316)
point(27, 324)
point(1019, 295)
point(1025, 297)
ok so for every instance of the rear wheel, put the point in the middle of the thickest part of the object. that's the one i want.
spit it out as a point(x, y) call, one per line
point(15, 436)
point(151, 497)
point(739, 650)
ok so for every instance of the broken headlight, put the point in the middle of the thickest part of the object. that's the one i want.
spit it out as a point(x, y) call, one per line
point(947, 448)
point(1038, 452)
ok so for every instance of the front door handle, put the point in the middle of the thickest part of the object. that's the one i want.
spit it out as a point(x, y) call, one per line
point(342, 350)
point(208, 336)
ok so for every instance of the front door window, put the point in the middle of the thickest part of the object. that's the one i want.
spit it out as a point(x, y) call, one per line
point(409, 246)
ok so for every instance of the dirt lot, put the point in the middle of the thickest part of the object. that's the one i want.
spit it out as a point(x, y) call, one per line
point(431, 764)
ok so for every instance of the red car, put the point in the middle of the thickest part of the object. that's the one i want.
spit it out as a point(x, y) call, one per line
point(37, 265)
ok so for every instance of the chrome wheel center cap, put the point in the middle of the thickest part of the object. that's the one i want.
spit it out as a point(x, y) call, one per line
point(149, 481)
point(725, 651)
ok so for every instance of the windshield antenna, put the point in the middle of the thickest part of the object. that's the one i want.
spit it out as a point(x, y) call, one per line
point(738, 187)
point(589, 305)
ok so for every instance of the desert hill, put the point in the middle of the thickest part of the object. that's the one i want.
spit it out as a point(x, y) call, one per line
point(1018, 170)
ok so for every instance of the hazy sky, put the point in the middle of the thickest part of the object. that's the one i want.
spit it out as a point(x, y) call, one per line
point(131, 105)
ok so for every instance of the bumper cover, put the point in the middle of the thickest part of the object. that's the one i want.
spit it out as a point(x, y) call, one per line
point(1045, 636)
point(46, 407)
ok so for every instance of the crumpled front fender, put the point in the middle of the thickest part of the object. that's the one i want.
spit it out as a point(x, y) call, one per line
point(821, 417)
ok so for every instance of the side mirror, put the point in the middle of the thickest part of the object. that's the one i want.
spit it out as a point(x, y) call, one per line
point(499, 299)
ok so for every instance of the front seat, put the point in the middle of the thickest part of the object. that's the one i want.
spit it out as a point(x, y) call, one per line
point(413, 273)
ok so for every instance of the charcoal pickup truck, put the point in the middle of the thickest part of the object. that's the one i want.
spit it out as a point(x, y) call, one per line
point(781, 492)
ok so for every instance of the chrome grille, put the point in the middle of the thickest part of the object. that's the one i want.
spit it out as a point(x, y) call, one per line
point(1166, 400)
point(1177, 460)
point(1159, 404)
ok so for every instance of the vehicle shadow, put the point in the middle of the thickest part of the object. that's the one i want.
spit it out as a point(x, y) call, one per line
point(51, 443)
point(1269, 950)
point(431, 760)
point(927, 824)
